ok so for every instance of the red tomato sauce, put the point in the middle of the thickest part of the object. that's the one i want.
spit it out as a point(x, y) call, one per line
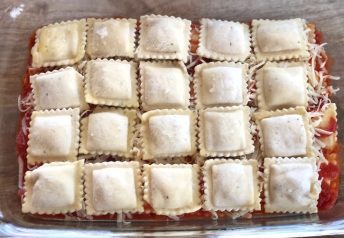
point(329, 172)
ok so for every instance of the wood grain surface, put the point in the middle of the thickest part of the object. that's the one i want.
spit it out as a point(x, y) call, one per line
point(16, 27)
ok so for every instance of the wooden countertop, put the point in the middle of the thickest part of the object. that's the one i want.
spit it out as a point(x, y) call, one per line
point(18, 19)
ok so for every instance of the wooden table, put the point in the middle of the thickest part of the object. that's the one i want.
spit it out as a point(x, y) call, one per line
point(17, 25)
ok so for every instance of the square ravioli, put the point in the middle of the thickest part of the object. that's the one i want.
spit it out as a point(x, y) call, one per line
point(221, 84)
point(225, 132)
point(58, 89)
point(285, 133)
point(168, 133)
point(224, 40)
point(111, 37)
point(59, 44)
point(164, 37)
point(164, 85)
point(280, 39)
point(113, 187)
point(53, 136)
point(111, 82)
point(282, 85)
point(291, 185)
point(172, 189)
point(231, 185)
point(54, 188)
point(108, 131)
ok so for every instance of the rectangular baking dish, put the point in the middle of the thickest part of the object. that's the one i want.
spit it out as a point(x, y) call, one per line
point(20, 18)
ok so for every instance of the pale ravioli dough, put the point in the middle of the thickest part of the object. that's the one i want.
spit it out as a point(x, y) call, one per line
point(292, 185)
point(53, 136)
point(59, 44)
point(111, 37)
point(168, 133)
point(224, 40)
point(284, 135)
point(69, 93)
point(53, 188)
point(172, 189)
point(279, 36)
point(231, 185)
point(282, 39)
point(221, 84)
point(163, 37)
point(108, 131)
point(112, 83)
point(164, 85)
point(282, 87)
point(225, 132)
point(113, 187)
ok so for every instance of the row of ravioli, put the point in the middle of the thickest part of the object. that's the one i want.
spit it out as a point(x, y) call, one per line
point(290, 185)
point(166, 85)
point(54, 135)
point(164, 37)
